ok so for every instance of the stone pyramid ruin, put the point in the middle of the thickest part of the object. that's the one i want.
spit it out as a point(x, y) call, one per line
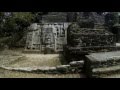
point(86, 39)
point(79, 36)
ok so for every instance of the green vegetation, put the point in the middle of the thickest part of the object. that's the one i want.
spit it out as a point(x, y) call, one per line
point(14, 26)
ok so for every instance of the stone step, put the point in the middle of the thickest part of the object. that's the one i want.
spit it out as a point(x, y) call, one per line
point(111, 72)
point(99, 26)
point(111, 76)
point(106, 70)
point(104, 63)
point(39, 52)
point(93, 49)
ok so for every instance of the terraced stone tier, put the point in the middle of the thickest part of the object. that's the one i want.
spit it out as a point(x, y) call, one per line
point(92, 49)
point(38, 52)
point(90, 39)
point(104, 62)
point(78, 53)
point(106, 71)
point(54, 17)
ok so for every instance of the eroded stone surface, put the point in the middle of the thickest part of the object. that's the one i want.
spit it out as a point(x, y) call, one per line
point(103, 56)
point(77, 63)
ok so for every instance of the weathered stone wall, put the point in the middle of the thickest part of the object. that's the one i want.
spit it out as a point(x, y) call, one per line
point(47, 36)
point(91, 37)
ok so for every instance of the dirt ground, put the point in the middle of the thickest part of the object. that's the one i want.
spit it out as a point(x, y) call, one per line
point(18, 59)
point(13, 58)
point(31, 60)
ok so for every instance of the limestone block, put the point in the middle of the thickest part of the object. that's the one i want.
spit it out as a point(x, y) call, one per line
point(77, 64)
point(63, 68)
point(102, 63)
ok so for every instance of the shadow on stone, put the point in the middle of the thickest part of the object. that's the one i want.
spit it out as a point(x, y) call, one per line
point(62, 59)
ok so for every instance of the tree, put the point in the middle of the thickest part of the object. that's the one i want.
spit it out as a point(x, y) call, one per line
point(16, 25)
point(2, 16)
point(111, 18)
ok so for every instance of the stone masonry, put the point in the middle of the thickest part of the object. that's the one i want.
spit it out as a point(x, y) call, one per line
point(50, 36)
